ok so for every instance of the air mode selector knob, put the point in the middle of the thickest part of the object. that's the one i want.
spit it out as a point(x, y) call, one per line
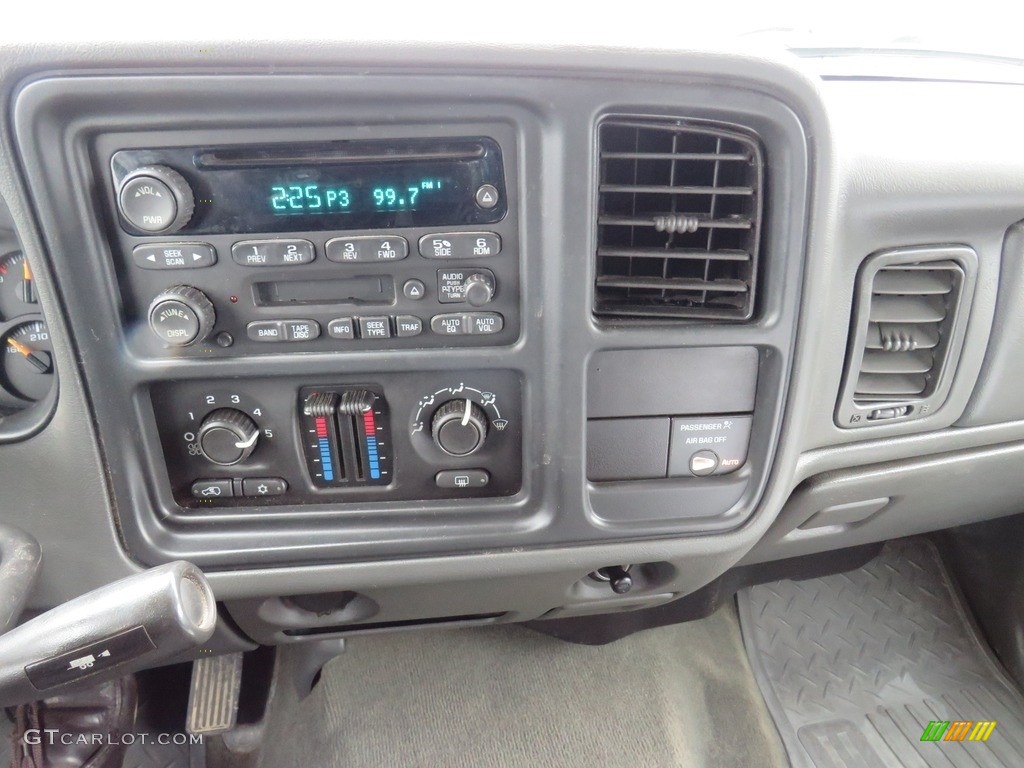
point(459, 427)
point(181, 316)
point(156, 198)
point(227, 436)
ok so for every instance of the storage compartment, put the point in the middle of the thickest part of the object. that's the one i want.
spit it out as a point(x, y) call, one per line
point(849, 507)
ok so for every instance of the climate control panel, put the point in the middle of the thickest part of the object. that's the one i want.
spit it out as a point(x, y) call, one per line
point(396, 436)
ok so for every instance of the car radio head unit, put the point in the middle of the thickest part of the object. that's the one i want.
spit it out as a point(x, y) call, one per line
point(319, 246)
point(341, 185)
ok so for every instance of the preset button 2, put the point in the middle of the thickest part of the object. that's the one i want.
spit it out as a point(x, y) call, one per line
point(272, 253)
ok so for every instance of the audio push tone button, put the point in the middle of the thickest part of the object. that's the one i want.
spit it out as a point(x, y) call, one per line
point(174, 256)
point(367, 248)
point(272, 253)
point(460, 245)
point(713, 445)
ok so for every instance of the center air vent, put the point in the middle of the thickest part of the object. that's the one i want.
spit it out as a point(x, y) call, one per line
point(679, 215)
point(908, 330)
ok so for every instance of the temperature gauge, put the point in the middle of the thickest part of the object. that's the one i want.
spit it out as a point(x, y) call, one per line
point(17, 289)
point(28, 360)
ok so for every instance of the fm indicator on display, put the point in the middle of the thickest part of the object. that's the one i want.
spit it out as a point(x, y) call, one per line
point(287, 198)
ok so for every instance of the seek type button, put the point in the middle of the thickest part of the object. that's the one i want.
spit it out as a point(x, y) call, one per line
point(375, 327)
point(696, 443)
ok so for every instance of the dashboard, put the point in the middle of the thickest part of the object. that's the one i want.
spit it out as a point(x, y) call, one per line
point(381, 344)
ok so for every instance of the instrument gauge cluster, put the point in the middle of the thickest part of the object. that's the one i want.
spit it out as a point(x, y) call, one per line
point(26, 354)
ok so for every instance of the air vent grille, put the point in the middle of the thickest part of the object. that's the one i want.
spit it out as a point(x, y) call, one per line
point(679, 220)
point(908, 327)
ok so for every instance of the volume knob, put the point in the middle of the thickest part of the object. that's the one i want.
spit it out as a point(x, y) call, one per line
point(459, 427)
point(182, 315)
point(155, 198)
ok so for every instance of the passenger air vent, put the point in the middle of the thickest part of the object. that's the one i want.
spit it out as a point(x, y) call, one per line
point(679, 219)
point(908, 328)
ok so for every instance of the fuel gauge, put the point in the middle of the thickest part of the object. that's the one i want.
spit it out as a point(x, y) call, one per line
point(28, 360)
point(17, 289)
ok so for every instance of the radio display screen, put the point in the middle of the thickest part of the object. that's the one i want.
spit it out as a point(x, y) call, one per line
point(346, 185)
point(373, 190)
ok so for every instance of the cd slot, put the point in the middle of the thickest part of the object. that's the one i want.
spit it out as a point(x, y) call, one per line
point(368, 290)
point(326, 154)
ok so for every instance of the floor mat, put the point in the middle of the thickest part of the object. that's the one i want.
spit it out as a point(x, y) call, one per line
point(506, 696)
point(856, 666)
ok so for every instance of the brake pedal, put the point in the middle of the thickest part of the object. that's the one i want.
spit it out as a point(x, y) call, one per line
point(213, 694)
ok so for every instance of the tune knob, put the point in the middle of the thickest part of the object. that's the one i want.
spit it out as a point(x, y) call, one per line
point(155, 198)
point(182, 315)
point(478, 288)
point(459, 427)
point(227, 436)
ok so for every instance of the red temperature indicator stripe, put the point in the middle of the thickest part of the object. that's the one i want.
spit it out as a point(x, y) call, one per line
point(321, 426)
point(369, 424)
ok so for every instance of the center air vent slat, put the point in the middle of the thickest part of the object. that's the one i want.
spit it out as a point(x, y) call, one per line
point(880, 361)
point(890, 385)
point(912, 281)
point(907, 309)
point(674, 284)
point(678, 220)
point(903, 336)
point(661, 253)
point(908, 328)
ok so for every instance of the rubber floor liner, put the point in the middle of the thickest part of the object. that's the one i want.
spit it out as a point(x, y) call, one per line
point(855, 668)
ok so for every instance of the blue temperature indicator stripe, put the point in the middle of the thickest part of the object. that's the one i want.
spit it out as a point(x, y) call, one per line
point(325, 459)
point(371, 450)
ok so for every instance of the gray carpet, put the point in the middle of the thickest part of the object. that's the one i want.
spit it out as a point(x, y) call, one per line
point(506, 696)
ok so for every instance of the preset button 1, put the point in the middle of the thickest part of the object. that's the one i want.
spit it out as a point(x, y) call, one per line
point(272, 253)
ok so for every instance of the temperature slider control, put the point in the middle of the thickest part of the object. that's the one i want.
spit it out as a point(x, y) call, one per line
point(346, 437)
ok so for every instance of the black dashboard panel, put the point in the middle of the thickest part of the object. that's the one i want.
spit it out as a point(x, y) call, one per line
point(584, 488)
point(237, 451)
